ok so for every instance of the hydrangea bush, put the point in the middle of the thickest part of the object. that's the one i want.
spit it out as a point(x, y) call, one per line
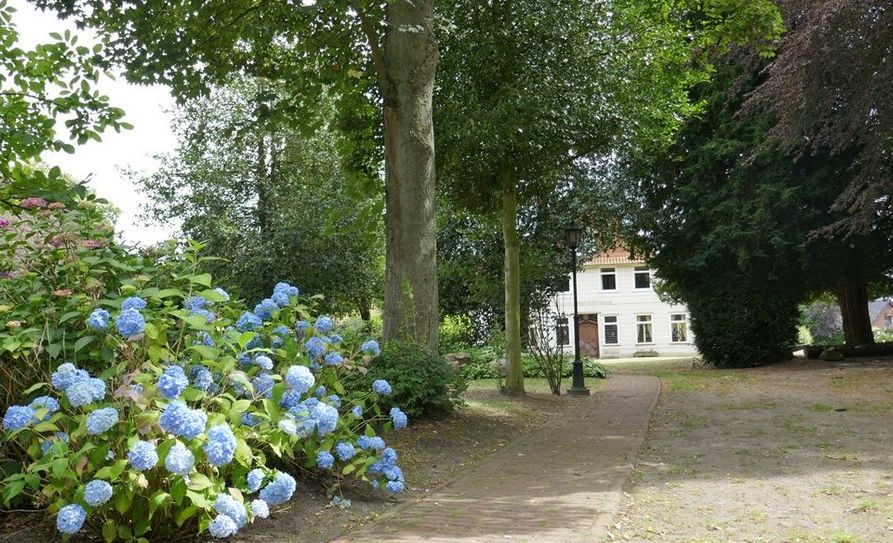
point(201, 408)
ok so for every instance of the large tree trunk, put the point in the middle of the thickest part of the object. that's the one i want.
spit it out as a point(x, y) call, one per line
point(407, 80)
point(514, 383)
point(853, 299)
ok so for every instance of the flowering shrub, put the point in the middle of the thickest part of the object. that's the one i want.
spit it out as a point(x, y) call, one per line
point(197, 404)
point(56, 261)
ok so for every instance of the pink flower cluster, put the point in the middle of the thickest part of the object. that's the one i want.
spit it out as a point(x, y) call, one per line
point(33, 203)
point(4, 223)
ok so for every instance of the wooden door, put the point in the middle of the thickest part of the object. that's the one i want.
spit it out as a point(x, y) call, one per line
point(589, 336)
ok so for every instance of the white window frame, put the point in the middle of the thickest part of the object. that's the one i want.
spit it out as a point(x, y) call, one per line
point(684, 322)
point(650, 323)
point(604, 272)
point(615, 323)
point(642, 269)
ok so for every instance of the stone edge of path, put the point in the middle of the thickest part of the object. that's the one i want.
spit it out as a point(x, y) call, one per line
point(601, 524)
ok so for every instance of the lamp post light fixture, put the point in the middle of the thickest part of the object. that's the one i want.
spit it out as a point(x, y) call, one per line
point(578, 387)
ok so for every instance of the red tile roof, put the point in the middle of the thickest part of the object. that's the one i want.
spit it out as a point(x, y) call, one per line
point(619, 255)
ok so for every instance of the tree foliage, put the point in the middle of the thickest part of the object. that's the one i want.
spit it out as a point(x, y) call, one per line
point(527, 89)
point(47, 99)
point(247, 185)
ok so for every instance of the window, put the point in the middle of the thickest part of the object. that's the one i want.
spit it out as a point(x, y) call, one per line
point(643, 277)
point(611, 330)
point(609, 279)
point(888, 322)
point(561, 332)
point(643, 328)
point(678, 328)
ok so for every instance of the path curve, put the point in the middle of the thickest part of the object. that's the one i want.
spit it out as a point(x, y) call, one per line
point(562, 483)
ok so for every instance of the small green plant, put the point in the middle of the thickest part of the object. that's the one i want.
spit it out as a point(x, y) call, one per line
point(424, 385)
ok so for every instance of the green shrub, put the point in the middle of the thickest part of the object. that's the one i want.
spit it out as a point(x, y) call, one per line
point(189, 393)
point(424, 385)
point(480, 366)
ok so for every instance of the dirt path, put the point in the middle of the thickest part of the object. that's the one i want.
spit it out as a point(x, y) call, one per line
point(800, 452)
point(562, 483)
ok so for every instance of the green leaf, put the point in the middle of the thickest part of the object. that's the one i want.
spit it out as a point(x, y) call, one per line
point(199, 481)
point(68, 316)
point(348, 469)
point(203, 279)
point(109, 531)
point(54, 349)
point(185, 514)
point(83, 342)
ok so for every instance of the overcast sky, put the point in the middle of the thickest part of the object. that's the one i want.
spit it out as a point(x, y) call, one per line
point(99, 161)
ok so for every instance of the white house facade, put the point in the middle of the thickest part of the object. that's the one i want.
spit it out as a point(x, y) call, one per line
point(621, 315)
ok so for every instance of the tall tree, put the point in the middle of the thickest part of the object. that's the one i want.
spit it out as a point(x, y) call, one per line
point(263, 197)
point(526, 89)
point(385, 52)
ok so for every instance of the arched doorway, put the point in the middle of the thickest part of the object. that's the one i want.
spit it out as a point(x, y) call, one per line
point(589, 335)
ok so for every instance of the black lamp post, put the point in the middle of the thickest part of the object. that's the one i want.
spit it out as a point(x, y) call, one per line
point(578, 387)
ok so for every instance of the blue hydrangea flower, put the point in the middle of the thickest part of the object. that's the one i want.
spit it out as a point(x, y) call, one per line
point(280, 299)
point(142, 456)
point(101, 420)
point(324, 459)
point(97, 492)
point(221, 445)
point(396, 486)
point(202, 378)
point(288, 426)
point(320, 391)
point(279, 334)
point(223, 293)
point(326, 418)
point(222, 527)
point(249, 419)
point(130, 323)
point(299, 378)
point(134, 302)
point(290, 398)
point(18, 417)
point(179, 460)
point(336, 339)
point(99, 319)
point(70, 519)
point(371, 348)
point(263, 385)
point(357, 411)
point(324, 324)
point(234, 509)
point(255, 478)
point(136, 388)
point(380, 386)
point(399, 418)
point(260, 509)
point(279, 490)
point(196, 302)
point(85, 391)
point(172, 382)
point(244, 359)
point(286, 289)
point(208, 315)
point(334, 400)
point(247, 322)
point(265, 309)
point(66, 375)
point(48, 443)
point(301, 327)
point(345, 451)
point(333, 359)
point(338, 501)
point(264, 362)
point(45, 402)
point(371, 443)
point(255, 343)
point(205, 339)
point(316, 347)
point(179, 419)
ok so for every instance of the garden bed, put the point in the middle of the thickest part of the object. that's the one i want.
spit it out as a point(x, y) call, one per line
point(432, 453)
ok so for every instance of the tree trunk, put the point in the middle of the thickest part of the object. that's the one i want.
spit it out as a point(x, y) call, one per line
point(514, 383)
point(853, 299)
point(406, 75)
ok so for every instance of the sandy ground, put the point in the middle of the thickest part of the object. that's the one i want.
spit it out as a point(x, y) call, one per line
point(797, 452)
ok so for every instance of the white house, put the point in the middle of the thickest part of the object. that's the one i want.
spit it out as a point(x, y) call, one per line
point(620, 313)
